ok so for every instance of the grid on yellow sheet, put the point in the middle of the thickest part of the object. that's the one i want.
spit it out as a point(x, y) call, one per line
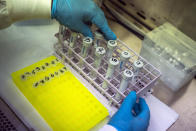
point(64, 103)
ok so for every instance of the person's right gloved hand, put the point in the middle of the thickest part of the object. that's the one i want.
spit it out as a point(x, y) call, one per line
point(75, 13)
point(131, 116)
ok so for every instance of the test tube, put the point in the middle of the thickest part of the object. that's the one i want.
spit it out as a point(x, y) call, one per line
point(67, 33)
point(100, 51)
point(72, 41)
point(97, 39)
point(60, 37)
point(87, 42)
point(113, 63)
point(137, 65)
point(112, 44)
point(124, 57)
point(127, 76)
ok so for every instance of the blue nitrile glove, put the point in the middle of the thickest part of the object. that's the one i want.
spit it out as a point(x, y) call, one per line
point(75, 13)
point(131, 116)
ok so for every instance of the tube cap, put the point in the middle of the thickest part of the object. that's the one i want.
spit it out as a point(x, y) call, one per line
point(127, 74)
point(112, 44)
point(113, 62)
point(87, 41)
point(98, 35)
point(125, 55)
point(74, 34)
point(137, 65)
point(100, 51)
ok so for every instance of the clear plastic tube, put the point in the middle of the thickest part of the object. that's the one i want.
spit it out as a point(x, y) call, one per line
point(127, 76)
point(111, 45)
point(124, 57)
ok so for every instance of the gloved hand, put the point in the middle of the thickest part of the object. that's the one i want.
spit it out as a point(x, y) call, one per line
point(131, 116)
point(75, 13)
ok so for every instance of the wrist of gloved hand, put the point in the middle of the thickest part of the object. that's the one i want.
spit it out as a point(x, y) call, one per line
point(75, 13)
point(131, 116)
point(53, 8)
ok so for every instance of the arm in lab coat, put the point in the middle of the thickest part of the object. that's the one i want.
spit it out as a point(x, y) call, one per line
point(108, 128)
point(18, 10)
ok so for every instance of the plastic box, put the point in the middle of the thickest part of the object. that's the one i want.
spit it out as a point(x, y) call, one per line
point(173, 53)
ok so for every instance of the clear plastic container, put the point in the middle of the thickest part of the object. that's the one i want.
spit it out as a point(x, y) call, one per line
point(173, 53)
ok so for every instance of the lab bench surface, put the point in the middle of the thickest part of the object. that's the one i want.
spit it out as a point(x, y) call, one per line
point(183, 101)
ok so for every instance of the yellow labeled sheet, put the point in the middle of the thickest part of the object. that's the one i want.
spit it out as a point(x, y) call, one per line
point(58, 96)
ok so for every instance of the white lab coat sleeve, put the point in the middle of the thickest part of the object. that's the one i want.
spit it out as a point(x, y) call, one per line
point(17, 10)
point(108, 128)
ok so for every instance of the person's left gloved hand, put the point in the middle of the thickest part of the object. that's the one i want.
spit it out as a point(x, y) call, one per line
point(131, 116)
point(75, 13)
